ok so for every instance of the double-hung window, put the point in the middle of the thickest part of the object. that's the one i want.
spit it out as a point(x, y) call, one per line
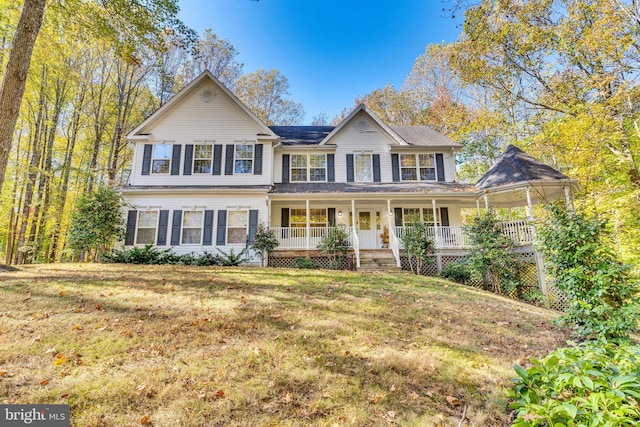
point(418, 167)
point(147, 226)
point(161, 158)
point(411, 216)
point(363, 167)
point(311, 167)
point(202, 155)
point(237, 227)
point(243, 159)
point(192, 227)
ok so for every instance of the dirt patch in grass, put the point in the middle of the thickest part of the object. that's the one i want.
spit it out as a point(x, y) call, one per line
point(189, 346)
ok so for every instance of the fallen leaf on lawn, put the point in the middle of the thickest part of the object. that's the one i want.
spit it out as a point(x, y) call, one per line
point(377, 398)
point(219, 393)
point(393, 387)
point(3, 373)
point(77, 328)
point(453, 401)
point(44, 382)
point(414, 395)
point(286, 398)
point(64, 396)
point(145, 420)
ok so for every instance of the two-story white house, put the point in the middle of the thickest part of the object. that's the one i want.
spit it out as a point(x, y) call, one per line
point(206, 172)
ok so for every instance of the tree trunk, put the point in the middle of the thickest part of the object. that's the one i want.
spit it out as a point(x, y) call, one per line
point(15, 75)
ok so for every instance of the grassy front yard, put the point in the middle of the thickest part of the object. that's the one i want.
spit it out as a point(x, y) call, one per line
point(191, 346)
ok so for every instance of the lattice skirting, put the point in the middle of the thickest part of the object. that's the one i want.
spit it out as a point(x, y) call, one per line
point(323, 262)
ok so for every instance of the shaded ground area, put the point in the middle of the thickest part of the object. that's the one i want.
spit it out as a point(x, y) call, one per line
point(194, 346)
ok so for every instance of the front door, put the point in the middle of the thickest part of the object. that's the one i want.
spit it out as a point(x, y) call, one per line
point(367, 229)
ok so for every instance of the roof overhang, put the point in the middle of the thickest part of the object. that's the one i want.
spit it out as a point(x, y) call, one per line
point(260, 190)
point(540, 192)
point(354, 113)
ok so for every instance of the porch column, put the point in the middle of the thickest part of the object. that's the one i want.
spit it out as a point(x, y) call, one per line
point(529, 205)
point(308, 225)
point(486, 204)
point(478, 206)
point(356, 244)
point(436, 228)
point(389, 219)
point(269, 212)
point(567, 198)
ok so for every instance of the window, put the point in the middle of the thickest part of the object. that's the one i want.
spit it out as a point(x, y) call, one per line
point(298, 167)
point(412, 215)
point(414, 167)
point(363, 168)
point(298, 218)
point(202, 158)
point(147, 225)
point(237, 227)
point(243, 159)
point(192, 227)
point(161, 158)
point(312, 167)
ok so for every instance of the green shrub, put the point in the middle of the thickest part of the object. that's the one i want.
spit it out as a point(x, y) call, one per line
point(596, 383)
point(307, 263)
point(418, 246)
point(602, 292)
point(265, 242)
point(232, 259)
point(456, 272)
point(335, 244)
point(152, 255)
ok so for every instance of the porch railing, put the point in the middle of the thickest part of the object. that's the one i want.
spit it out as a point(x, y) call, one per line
point(296, 237)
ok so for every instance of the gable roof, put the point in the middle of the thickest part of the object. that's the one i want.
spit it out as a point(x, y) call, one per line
point(186, 91)
point(302, 135)
point(423, 136)
point(514, 165)
point(375, 118)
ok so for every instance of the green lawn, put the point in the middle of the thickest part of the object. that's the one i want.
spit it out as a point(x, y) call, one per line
point(195, 346)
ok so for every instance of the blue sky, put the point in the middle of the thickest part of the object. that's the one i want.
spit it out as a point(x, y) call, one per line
point(330, 50)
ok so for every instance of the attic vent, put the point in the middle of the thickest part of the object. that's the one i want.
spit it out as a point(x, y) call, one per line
point(208, 95)
point(362, 125)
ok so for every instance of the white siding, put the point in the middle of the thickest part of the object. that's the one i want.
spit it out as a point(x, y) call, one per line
point(192, 119)
point(200, 202)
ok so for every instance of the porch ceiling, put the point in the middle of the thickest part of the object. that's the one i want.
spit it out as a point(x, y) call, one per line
point(541, 192)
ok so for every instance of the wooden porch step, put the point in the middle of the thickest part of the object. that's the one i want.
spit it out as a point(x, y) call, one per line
point(378, 260)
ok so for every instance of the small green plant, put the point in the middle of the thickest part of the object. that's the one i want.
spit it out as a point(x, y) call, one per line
point(232, 259)
point(335, 244)
point(602, 292)
point(456, 272)
point(307, 263)
point(594, 383)
point(491, 257)
point(265, 241)
point(142, 255)
point(533, 296)
point(418, 246)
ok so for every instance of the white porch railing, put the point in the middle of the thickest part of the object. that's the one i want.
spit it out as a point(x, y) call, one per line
point(521, 232)
point(296, 237)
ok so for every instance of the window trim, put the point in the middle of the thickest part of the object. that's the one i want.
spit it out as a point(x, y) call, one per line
point(154, 159)
point(252, 159)
point(210, 159)
point(417, 167)
point(246, 227)
point(155, 228)
point(182, 227)
point(355, 166)
point(421, 211)
point(308, 167)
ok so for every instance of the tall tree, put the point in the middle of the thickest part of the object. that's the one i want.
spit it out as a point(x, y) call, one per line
point(267, 93)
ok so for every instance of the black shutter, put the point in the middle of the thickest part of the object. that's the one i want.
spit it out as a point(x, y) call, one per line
point(132, 217)
point(176, 225)
point(444, 217)
point(257, 163)
point(221, 232)
point(331, 217)
point(376, 168)
point(285, 168)
point(253, 226)
point(146, 159)
point(349, 167)
point(217, 159)
point(175, 160)
point(163, 223)
point(188, 159)
point(440, 167)
point(397, 213)
point(331, 168)
point(208, 228)
point(395, 167)
point(284, 222)
point(228, 161)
